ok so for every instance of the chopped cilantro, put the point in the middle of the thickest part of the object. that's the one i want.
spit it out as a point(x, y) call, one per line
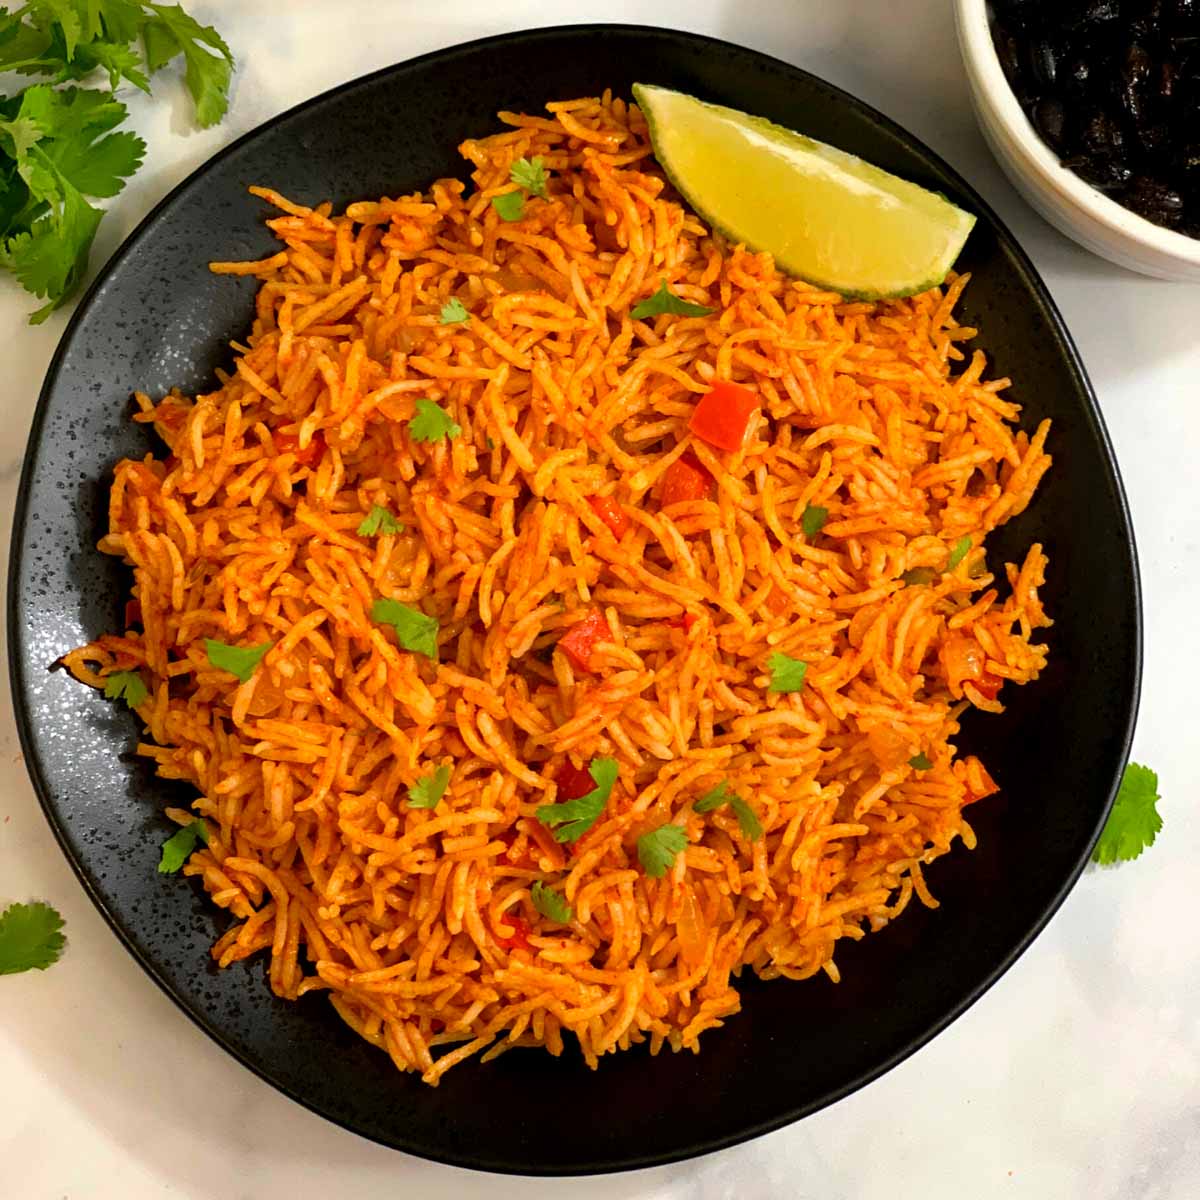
point(813, 520)
point(429, 789)
point(1134, 822)
point(658, 849)
point(959, 551)
point(414, 630)
point(531, 175)
point(510, 206)
point(237, 660)
point(127, 686)
point(454, 312)
point(920, 762)
point(31, 937)
point(787, 673)
point(720, 795)
point(549, 903)
point(177, 849)
point(574, 818)
point(431, 423)
point(665, 301)
point(379, 520)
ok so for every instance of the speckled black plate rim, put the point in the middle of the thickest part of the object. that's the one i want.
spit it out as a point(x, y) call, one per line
point(1091, 413)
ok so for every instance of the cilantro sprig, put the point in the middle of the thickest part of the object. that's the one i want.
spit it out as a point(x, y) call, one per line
point(1134, 822)
point(813, 520)
point(787, 673)
point(57, 145)
point(241, 661)
point(658, 849)
point(453, 312)
point(31, 937)
point(127, 686)
point(665, 301)
point(530, 173)
point(379, 520)
point(429, 789)
point(550, 903)
point(431, 423)
point(177, 849)
point(571, 819)
point(414, 630)
point(719, 796)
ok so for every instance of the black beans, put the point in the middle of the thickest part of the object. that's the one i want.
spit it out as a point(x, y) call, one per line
point(1113, 87)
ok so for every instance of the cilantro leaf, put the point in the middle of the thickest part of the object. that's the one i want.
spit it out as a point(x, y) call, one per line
point(665, 301)
point(177, 849)
point(510, 206)
point(813, 520)
point(414, 630)
point(575, 817)
point(429, 789)
point(531, 175)
point(170, 32)
point(658, 849)
point(1134, 822)
point(720, 795)
point(787, 673)
point(958, 553)
point(64, 14)
point(379, 520)
point(431, 423)
point(549, 903)
point(30, 937)
point(920, 762)
point(237, 660)
point(127, 686)
point(454, 312)
point(120, 61)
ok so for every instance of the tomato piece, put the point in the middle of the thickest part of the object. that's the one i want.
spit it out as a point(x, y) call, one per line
point(988, 685)
point(609, 511)
point(723, 415)
point(687, 622)
point(289, 443)
point(988, 786)
point(521, 930)
point(685, 479)
point(573, 781)
point(133, 613)
point(580, 640)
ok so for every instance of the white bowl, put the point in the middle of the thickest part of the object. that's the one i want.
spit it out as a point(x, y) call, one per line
point(1065, 200)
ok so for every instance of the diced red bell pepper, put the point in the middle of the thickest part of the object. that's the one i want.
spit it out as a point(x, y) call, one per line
point(685, 479)
point(133, 613)
point(723, 415)
point(289, 443)
point(609, 511)
point(573, 781)
point(521, 930)
point(580, 640)
point(687, 622)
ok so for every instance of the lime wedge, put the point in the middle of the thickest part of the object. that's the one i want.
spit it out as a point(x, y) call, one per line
point(825, 215)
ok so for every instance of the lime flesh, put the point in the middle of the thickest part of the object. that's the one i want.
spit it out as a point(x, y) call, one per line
point(825, 215)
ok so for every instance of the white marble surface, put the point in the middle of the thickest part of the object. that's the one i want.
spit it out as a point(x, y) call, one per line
point(1076, 1078)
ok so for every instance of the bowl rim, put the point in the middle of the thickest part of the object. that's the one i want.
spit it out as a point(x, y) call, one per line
point(984, 70)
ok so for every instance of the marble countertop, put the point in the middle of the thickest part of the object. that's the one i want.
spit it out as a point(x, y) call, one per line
point(1077, 1077)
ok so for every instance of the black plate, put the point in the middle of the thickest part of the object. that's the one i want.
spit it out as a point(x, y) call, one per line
point(157, 318)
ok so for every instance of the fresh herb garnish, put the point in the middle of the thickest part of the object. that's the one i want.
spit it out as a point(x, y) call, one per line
point(549, 903)
point(429, 789)
point(658, 849)
point(454, 312)
point(918, 576)
point(31, 936)
point(959, 551)
point(665, 301)
point(431, 423)
point(574, 818)
point(813, 520)
point(1134, 822)
point(510, 206)
point(530, 174)
point(237, 660)
point(179, 846)
point(920, 762)
point(127, 686)
point(414, 630)
point(787, 673)
point(57, 146)
point(379, 520)
point(749, 824)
